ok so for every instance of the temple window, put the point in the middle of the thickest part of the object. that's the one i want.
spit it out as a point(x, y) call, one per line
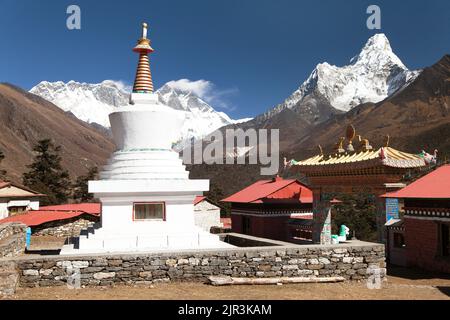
point(149, 211)
point(17, 210)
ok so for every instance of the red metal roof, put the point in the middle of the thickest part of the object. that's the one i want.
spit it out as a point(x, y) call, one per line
point(91, 208)
point(275, 189)
point(55, 213)
point(435, 185)
point(198, 199)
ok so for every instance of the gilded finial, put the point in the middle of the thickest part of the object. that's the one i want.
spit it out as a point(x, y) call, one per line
point(144, 30)
point(386, 143)
point(320, 150)
point(365, 145)
point(350, 134)
point(339, 146)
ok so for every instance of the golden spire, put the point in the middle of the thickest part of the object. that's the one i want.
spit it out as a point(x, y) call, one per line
point(143, 82)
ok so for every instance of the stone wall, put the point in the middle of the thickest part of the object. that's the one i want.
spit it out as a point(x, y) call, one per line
point(12, 239)
point(349, 261)
point(65, 228)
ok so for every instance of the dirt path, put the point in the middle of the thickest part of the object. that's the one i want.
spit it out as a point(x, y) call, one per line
point(394, 288)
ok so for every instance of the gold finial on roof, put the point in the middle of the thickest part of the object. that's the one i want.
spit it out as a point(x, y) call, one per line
point(339, 146)
point(350, 133)
point(320, 150)
point(386, 141)
point(365, 145)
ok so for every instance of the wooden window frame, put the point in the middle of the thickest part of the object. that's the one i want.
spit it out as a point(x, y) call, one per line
point(154, 202)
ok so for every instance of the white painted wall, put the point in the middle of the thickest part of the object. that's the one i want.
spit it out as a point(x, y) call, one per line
point(207, 215)
point(4, 212)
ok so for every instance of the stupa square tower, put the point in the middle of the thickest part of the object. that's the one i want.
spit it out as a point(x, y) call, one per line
point(146, 194)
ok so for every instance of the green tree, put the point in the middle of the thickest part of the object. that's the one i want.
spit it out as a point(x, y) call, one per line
point(358, 212)
point(47, 175)
point(2, 172)
point(80, 191)
point(216, 194)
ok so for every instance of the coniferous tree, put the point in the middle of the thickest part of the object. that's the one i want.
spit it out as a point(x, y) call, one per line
point(358, 212)
point(80, 187)
point(46, 174)
point(2, 172)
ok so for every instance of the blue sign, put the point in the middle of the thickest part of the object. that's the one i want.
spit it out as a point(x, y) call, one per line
point(28, 237)
point(392, 211)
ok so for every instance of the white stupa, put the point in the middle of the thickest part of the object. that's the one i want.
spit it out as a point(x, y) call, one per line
point(146, 194)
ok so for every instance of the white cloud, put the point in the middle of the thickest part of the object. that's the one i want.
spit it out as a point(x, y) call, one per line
point(200, 87)
point(207, 91)
point(120, 84)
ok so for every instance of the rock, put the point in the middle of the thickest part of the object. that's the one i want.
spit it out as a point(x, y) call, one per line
point(171, 262)
point(183, 261)
point(30, 272)
point(315, 266)
point(80, 264)
point(265, 267)
point(290, 267)
point(64, 264)
point(324, 261)
point(45, 272)
point(104, 275)
point(347, 259)
point(115, 263)
point(145, 274)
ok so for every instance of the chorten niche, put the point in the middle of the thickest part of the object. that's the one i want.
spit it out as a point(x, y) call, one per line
point(146, 194)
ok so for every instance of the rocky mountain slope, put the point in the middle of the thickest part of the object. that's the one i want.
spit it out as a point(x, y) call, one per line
point(26, 118)
point(372, 75)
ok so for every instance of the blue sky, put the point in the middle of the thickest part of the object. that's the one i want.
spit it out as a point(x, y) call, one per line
point(251, 54)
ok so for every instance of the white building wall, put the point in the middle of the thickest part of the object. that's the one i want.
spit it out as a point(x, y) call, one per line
point(3, 209)
point(4, 212)
point(207, 215)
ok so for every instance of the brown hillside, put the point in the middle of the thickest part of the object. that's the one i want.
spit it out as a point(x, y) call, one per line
point(26, 118)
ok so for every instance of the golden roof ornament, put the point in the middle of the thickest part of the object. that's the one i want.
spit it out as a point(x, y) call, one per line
point(364, 144)
point(339, 147)
point(386, 141)
point(350, 135)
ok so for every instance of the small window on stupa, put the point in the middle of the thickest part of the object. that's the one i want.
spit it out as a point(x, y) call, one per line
point(149, 211)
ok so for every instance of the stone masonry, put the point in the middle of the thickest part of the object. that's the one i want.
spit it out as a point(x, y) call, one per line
point(12, 239)
point(65, 228)
point(350, 261)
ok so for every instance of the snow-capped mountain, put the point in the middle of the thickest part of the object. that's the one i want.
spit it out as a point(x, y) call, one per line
point(93, 103)
point(373, 75)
